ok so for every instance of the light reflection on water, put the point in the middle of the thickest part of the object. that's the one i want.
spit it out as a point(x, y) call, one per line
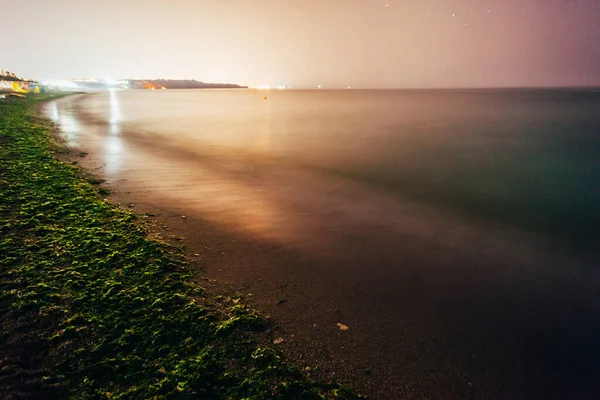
point(115, 113)
point(69, 124)
point(52, 111)
point(78, 133)
point(114, 148)
point(113, 155)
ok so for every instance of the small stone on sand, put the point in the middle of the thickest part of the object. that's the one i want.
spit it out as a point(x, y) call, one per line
point(342, 326)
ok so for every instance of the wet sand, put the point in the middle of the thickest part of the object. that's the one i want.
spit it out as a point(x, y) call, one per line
point(439, 306)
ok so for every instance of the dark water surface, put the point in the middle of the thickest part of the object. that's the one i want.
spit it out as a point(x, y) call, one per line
point(456, 232)
point(529, 158)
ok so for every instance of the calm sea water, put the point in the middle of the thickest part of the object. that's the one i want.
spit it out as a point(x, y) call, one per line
point(527, 158)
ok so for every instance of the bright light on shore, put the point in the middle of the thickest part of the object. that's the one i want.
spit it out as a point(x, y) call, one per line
point(62, 84)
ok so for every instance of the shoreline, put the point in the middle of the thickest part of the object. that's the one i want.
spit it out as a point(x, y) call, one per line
point(106, 308)
point(423, 318)
point(219, 255)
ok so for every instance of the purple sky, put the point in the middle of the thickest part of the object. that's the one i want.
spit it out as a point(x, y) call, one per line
point(335, 43)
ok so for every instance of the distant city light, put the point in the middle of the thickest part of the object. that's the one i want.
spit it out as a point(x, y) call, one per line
point(61, 84)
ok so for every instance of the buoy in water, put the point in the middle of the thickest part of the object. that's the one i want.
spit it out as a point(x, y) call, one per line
point(265, 97)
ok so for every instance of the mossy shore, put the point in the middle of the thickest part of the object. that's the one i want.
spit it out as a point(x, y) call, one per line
point(90, 307)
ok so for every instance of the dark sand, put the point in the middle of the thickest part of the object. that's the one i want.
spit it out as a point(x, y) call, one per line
point(439, 307)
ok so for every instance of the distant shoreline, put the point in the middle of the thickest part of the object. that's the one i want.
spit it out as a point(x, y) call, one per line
point(180, 84)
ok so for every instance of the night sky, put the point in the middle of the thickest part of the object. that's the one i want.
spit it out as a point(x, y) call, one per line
point(334, 43)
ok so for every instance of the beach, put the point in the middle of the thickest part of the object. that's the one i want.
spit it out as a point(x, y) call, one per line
point(440, 303)
point(98, 301)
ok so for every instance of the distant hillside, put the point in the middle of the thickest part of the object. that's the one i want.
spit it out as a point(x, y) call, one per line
point(180, 84)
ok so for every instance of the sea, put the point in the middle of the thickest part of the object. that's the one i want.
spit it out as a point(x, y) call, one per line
point(524, 158)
